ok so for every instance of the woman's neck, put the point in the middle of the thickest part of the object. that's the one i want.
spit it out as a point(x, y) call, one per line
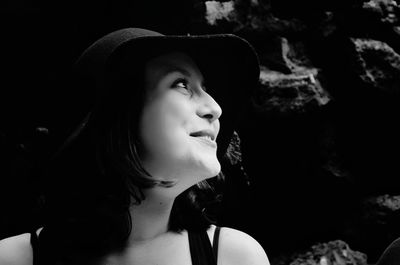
point(151, 217)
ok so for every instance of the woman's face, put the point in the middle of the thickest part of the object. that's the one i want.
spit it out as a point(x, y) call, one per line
point(179, 124)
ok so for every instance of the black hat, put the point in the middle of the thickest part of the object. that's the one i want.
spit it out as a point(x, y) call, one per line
point(228, 62)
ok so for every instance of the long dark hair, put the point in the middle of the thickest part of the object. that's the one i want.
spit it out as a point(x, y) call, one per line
point(97, 176)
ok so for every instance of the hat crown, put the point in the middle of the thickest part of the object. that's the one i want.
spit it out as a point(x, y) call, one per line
point(116, 38)
point(94, 58)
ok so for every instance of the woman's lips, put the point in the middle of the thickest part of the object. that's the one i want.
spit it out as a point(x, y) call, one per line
point(206, 140)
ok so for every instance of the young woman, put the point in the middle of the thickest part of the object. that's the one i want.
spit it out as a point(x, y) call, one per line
point(132, 183)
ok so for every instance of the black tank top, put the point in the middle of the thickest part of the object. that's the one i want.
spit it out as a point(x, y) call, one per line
point(201, 250)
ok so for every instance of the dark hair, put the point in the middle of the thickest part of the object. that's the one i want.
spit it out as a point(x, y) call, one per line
point(97, 176)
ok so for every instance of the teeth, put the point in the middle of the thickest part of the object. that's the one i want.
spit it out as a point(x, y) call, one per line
point(206, 137)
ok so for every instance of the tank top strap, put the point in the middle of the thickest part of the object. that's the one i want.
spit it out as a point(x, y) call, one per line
point(215, 243)
point(201, 250)
point(35, 247)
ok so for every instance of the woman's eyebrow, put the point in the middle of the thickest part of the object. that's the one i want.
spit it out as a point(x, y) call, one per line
point(171, 69)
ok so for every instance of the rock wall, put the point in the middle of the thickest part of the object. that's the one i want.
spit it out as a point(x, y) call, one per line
point(319, 142)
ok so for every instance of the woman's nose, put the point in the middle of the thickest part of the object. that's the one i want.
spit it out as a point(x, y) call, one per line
point(209, 108)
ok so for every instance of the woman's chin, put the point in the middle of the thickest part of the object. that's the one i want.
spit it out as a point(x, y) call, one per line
point(212, 169)
point(205, 168)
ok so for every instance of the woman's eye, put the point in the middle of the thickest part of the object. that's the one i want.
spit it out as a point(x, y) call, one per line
point(181, 83)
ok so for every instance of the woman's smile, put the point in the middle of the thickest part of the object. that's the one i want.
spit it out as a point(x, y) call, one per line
point(205, 139)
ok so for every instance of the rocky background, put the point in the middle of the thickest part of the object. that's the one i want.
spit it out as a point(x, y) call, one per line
point(313, 165)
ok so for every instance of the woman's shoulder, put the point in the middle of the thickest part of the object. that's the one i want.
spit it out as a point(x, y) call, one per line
point(16, 250)
point(391, 255)
point(238, 247)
